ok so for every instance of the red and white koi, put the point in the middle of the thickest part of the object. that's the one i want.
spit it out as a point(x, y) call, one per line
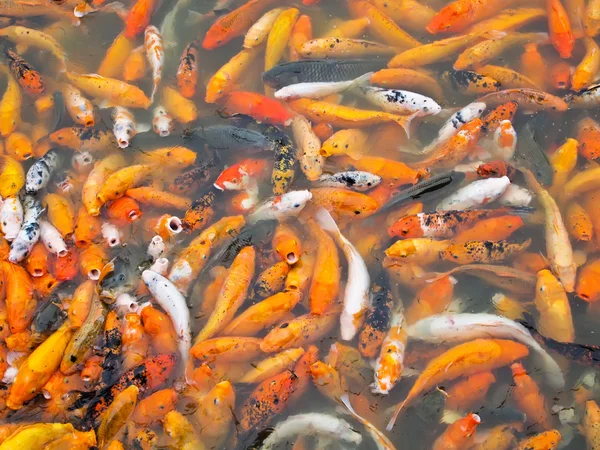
point(400, 102)
point(111, 234)
point(173, 302)
point(454, 328)
point(477, 193)
point(356, 299)
point(162, 122)
point(11, 217)
point(124, 127)
point(504, 141)
point(280, 207)
point(155, 54)
point(52, 239)
point(389, 365)
point(454, 123)
point(241, 176)
point(318, 90)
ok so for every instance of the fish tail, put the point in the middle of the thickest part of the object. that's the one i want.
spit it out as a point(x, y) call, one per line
point(405, 122)
point(397, 412)
point(362, 80)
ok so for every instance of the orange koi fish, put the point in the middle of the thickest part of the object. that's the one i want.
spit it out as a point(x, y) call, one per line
point(389, 365)
point(533, 65)
point(588, 136)
point(468, 392)
point(588, 288)
point(139, 18)
point(552, 303)
point(587, 70)
point(301, 33)
point(215, 414)
point(459, 435)
point(559, 25)
point(461, 14)
point(560, 75)
point(233, 294)
point(548, 440)
point(300, 331)
point(234, 24)
point(528, 99)
point(492, 229)
point(463, 360)
point(257, 106)
point(528, 398)
point(432, 298)
point(325, 285)
point(19, 298)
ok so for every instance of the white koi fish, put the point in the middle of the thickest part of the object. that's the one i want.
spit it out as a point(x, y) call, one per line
point(278, 208)
point(11, 217)
point(124, 127)
point(155, 54)
point(477, 193)
point(318, 90)
point(457, 120)
point(52, 239)
point(400, 102)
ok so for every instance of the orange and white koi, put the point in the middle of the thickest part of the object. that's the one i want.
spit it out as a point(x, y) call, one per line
point(460, 14)
point(112, 91)
point(390, 363)
point(155, 54)
point(187, 72)
point(162, 122)
point(80, 108)
point(124, 126)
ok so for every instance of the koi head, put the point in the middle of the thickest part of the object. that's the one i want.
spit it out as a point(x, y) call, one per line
point(162, 124)
point(407, 227)
point(234, 178)
point(224, 395)
point(469, 424)
point(82, 162)
point(244, 201)
point(124, 209)
point(116, 277)
point(518, 369)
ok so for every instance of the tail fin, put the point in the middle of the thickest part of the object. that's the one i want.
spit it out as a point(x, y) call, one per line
point(397, 412)
point(404, 121)
point(362, 80)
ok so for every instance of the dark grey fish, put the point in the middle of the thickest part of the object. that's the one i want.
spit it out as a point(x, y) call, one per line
point(227, 137)
point(530, 155)
point(320, 70)
point(50, 317)
point(116, 278)
point(426, 190)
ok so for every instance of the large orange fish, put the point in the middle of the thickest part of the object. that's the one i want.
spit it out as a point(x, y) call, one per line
point(560, 29)
point(261, 108)
point(463, 360)
point(234, 24)
point(139, 18)
point(461, 14)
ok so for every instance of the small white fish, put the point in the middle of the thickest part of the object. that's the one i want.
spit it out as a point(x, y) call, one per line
point(400, 102)
point(478, 193)
point(320, 89)
point(155, 54)
point(13, 359)
point(124, 127)
point(450, 328)
point(40, 172)
point(111, 234)
point(458, 119)
point(52, 239)
point(357, 299)
point(173, 302)
point(280, 207)
point(11, 217)
point(515, 195)
point(353, 179)
point(390, 363)
point(258, 32)
point(505, 141)
point(83, 162)
point(162, 122)
point(79, 108)
point(157, 247)
point(311, 424)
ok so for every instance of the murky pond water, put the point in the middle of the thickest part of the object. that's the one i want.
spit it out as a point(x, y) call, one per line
point(317, 224)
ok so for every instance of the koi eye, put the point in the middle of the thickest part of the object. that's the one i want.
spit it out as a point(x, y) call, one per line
point(297, 205)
